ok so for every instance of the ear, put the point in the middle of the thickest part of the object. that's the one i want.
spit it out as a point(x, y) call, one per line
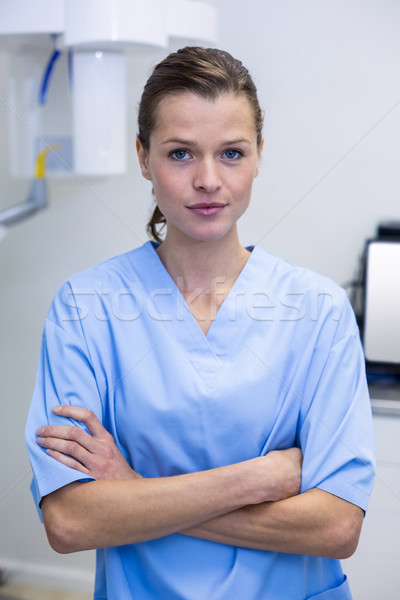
point(143, 160)
point(259, 156)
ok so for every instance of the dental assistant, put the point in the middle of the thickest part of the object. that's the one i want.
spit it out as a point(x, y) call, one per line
point(211, 435)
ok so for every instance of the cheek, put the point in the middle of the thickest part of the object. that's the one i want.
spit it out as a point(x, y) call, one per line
point(169, 185)
point(243, 184)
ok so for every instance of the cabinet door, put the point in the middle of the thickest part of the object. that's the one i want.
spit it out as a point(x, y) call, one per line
point(373, 571)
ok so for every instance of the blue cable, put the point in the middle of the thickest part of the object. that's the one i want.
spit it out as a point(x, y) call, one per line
point(47, 75)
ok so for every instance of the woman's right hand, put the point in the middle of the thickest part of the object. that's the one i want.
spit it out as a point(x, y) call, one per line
point(95, 454)
point(278, 475)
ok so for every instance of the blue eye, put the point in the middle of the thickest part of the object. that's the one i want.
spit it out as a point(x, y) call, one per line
point(232, 154)
point(180, 154)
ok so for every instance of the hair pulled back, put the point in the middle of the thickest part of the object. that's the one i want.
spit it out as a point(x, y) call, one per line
point(207, 72)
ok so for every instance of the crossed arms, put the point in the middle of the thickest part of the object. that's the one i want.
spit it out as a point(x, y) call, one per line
point(252, 504)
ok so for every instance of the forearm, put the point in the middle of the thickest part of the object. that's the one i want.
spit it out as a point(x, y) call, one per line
point(314, 523)
point(105, 513)
point(120, 507)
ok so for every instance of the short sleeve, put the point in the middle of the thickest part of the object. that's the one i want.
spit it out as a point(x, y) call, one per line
point(65, 376)
point(336, 435)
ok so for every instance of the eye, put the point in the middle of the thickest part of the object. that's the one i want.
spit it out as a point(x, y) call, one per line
point(180, 154)
point(232, 154)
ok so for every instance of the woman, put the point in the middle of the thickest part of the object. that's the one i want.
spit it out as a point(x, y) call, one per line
point(221, 381)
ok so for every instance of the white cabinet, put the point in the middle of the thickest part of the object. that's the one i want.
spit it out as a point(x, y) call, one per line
point(374, 570)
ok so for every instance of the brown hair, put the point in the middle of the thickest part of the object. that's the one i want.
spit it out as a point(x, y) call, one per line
point(207, 72)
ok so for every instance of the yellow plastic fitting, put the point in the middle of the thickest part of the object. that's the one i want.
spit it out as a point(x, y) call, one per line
point(40, 171)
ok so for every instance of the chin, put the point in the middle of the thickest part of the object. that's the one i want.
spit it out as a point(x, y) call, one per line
point(201, 232)
point(209, 236)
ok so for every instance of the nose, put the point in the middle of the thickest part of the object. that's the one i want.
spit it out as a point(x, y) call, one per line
point(207, 176)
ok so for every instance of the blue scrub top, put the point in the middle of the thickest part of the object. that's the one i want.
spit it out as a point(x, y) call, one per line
point(280, 366)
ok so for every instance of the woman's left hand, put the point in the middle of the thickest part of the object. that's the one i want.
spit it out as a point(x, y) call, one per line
point(95, 454)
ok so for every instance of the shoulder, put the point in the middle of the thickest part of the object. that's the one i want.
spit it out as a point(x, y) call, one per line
point(308, 293)
point(122, 269)
point(123, 272)
point(287, 272)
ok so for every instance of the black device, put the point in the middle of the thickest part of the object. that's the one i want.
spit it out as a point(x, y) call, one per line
point(389, 229)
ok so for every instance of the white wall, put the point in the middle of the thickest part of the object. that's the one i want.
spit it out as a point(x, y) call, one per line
point(327, 74)
point(328, 78)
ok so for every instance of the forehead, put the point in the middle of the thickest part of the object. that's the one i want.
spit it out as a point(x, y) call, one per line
point(189, 112)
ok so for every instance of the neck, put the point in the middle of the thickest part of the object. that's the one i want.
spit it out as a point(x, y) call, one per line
point(194, 264)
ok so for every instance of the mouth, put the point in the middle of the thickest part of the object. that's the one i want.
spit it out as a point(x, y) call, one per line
point(207, 209)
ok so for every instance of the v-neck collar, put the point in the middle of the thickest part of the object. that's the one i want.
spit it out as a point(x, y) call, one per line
point(207, 353)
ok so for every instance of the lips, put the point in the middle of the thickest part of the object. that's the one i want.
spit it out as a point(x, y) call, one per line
point(207, 205)
point(207, 209)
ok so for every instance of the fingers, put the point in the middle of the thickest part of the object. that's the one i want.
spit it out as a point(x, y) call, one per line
point(95, 454)
point(68, 461)
point(68, 433)
point(72, 451)
point(83, 415)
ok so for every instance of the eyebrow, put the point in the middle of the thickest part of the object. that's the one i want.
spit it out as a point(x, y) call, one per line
point(183, 142)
